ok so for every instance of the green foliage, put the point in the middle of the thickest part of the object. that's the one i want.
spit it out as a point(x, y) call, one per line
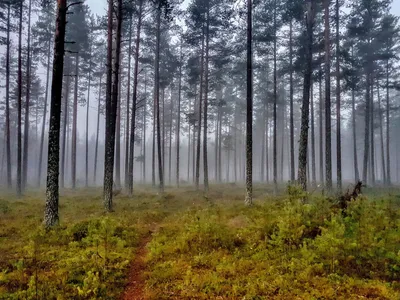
point(280, 248)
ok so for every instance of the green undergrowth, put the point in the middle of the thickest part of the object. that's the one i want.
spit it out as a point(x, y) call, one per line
point(279, 249)
point(283, 247)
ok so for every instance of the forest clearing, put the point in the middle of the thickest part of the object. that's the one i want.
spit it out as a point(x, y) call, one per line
point(202, 248)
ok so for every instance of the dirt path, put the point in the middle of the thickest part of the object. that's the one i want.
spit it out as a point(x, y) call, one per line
point(135, 288)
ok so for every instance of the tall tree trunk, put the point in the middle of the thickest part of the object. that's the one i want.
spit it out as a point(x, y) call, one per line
point(19, 105)
point(128, 96)
point(111, 103)
point(97, 133)
point(199, 115)
point(305, 110)
point(388, 176)
point(157, 100)
point(328, 132)
point(313, 166)
point(292, 169)
point(353, 121)
point(321, 127)
point(117, 163)
point(263, 141)
point(205, 152)
point(8, 134)
point(51, 209)
point(178, 125)
point(170, 141)
point(372, 132)
point(381, 135)
point(249, 111)
point(75, 124)
point(87, 121)
point(275, 145)
point(44, 115)
point(338, 125)
point(144, 125)
point(27, 101)
point(367, 126)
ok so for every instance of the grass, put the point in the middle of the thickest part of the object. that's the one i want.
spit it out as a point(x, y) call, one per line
point(203, 248)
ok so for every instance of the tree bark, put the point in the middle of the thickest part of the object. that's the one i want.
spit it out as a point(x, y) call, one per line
point(87, 121)
point(128, 96)
point(7, 112)
point(249, 111)
point(275, 145)
point(305, 110)
point(292, 168)
point(51, 209)
point(328, 132)
point(19, 105)
point(367, 127)
point(199, 115)
point(321, 128)
point(388, 176)
point(205, 135)
point(313, 166)
point(111, 103)
point(157, 100)
point(338, 121)
point(178, 125)
point(381, 135)
point(27, 101)
point(353, 121)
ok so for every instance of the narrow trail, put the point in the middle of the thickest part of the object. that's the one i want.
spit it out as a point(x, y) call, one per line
point(136, 284)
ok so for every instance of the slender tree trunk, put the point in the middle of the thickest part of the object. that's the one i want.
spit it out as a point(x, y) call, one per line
point(51, 209)
point(117, 163)
point(388, 176)
point(128, 96)
point(328, 132)
point(305, 110)
point(338, 121)
point(199, 116)
point(27, 101)
point(220, 146)
point(19, 105)
point(97, 133)
point(178, 125)
point(87, 122)
point(292, 168)
point(353, 120)
point(170, 142)
point(249, 112)
point(372, 132)
point(313, 166)
point(74, 124)
point(275, 153)
point(44, 115)
point(321, 128)
point(381, 135)
point(144, 126)
point(205, 135)
point(263, 141)
point(111, 103)
point(367, 127)
point(157, 100)
point(8, 134)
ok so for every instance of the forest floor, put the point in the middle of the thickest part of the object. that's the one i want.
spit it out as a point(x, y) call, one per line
point(187, 246)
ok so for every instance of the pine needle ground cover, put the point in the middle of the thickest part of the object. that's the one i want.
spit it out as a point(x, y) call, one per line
point(203, 247)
